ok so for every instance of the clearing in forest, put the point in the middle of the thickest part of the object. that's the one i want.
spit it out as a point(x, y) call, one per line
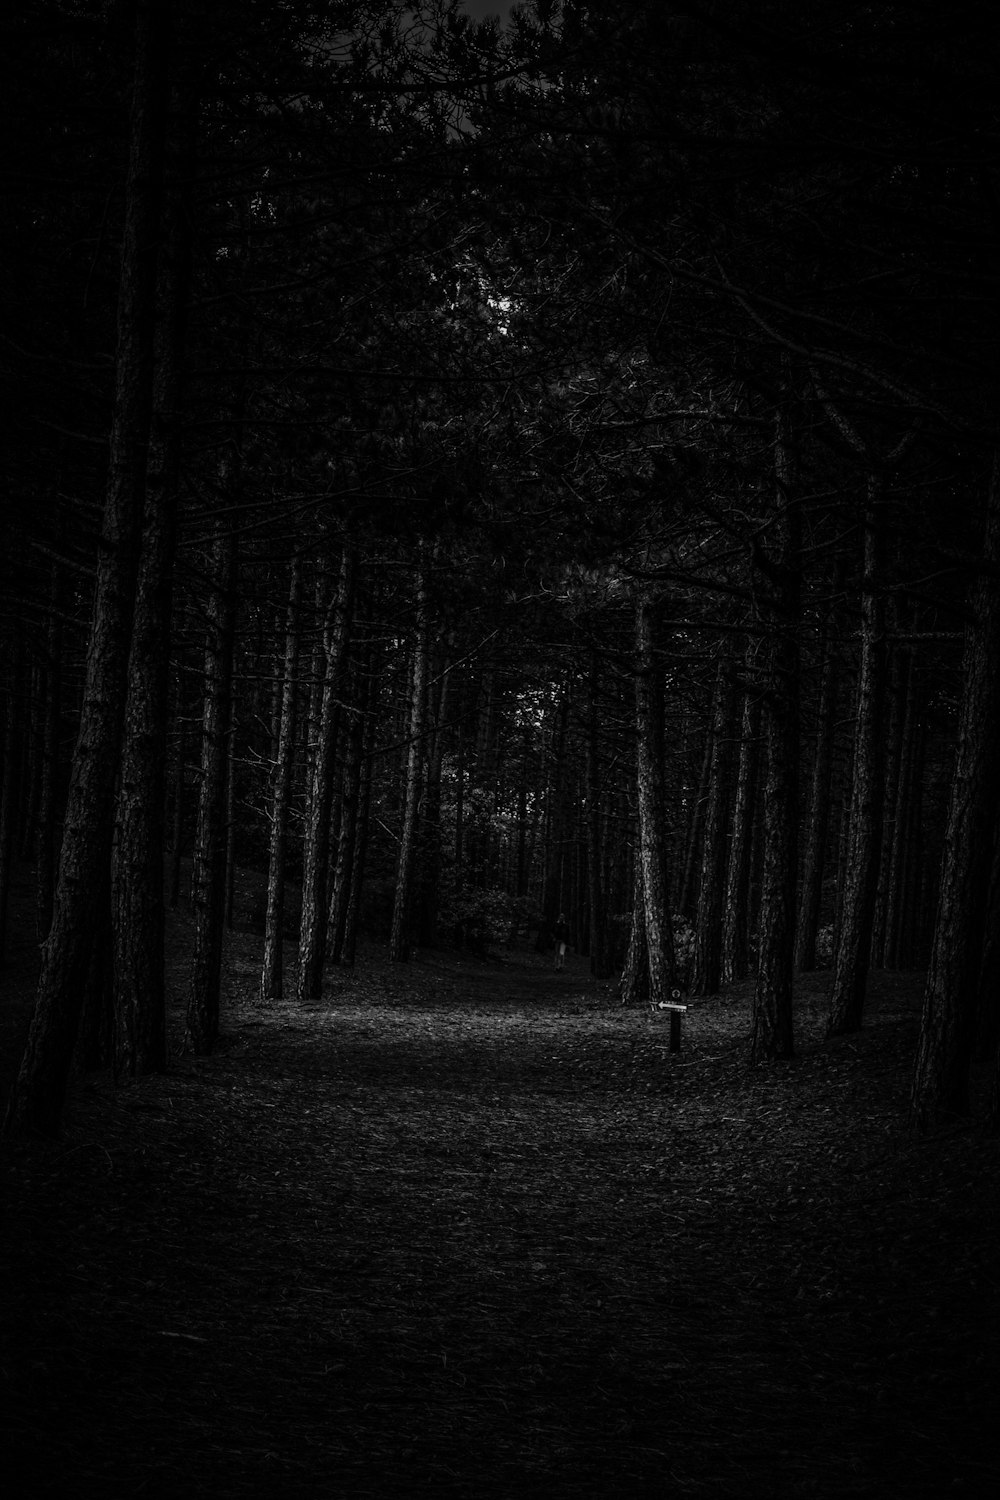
point(469, 1229)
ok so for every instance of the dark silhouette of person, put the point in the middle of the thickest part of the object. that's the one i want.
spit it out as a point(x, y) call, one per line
point(561, 934)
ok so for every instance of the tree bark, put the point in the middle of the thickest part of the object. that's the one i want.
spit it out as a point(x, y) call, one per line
point(736, 910)
point(137, 897)
point(430, 855)
point(651, 802)
point(597, 910)
point(706, 968)
point(772, 1026)
point(11, 767)
point(38, 1097)
point(633, 987)
point(854, 939)
point(814, 857)
point(272, 968)
point(208, 872)
point(347, 942)
point(177, 812)
point(948, 1023)
point(46, 850)
point(399, 941)
point(351, 796)
point(316, 847)
point(900, 861)
point(897, 677)
point(554, 896)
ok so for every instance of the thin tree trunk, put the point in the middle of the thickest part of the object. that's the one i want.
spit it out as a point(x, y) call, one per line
point(854, 940)
point(899, 861)
point(399, 941)
point(46, 856)
point(736, 910)
point(554, 897)
point(988, 1000)
point(208, 871)
point(460, 810)
point(316, 847)
point(177, 819)
point(10, 784)
point(348, 942)
point(351, 799)
point(272, 968)
point(814, 858)
point(706, 968)
point(431, 843)
point(38, 1097)
point(229, 896)
point(597, 909)
point(898, 672)
point(651, 803)
point(772, 1027)
point(948, 1023)
point(910, 947)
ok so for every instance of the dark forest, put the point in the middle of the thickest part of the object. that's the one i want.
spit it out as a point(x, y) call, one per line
point(500, 749)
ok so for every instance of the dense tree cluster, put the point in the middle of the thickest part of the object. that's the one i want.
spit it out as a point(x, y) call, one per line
point(467, 474)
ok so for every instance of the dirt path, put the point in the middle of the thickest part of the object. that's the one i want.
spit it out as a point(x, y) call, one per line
point(471, 1231)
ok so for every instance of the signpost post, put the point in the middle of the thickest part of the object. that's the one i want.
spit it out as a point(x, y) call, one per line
point(676, 1008)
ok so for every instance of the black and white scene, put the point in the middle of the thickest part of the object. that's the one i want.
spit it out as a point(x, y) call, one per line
point(499, 750)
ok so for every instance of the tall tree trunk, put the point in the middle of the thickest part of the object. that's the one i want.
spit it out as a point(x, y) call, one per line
point(597, 910)
point(900, 863)
point(898, 671)
point(351, 795)
point(272, 969)
point(706, 969)
point(554, 895)
point(208, 865)
point(736, 910)
point(814, 858)
point(45, 860)
point(988, 1001)
point(38, 1097)
point(137, 898)
point(177, 813)
point(399, 941)
point(854, 939)
point(11, 768)
point(347, 941)
point(633, 987)
point(912, 948)
point(772, 1027)
point(460, 810)
point(431, 843)
point(316, 846)
point(948, 1023)
point(651, 802)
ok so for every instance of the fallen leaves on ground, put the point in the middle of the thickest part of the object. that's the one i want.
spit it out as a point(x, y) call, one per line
point(470, 1229)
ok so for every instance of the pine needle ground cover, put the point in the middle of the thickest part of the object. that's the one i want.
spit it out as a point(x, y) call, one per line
point(469, 1229)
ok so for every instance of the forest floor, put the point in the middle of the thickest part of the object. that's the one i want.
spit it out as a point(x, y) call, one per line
point(468, 1229)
